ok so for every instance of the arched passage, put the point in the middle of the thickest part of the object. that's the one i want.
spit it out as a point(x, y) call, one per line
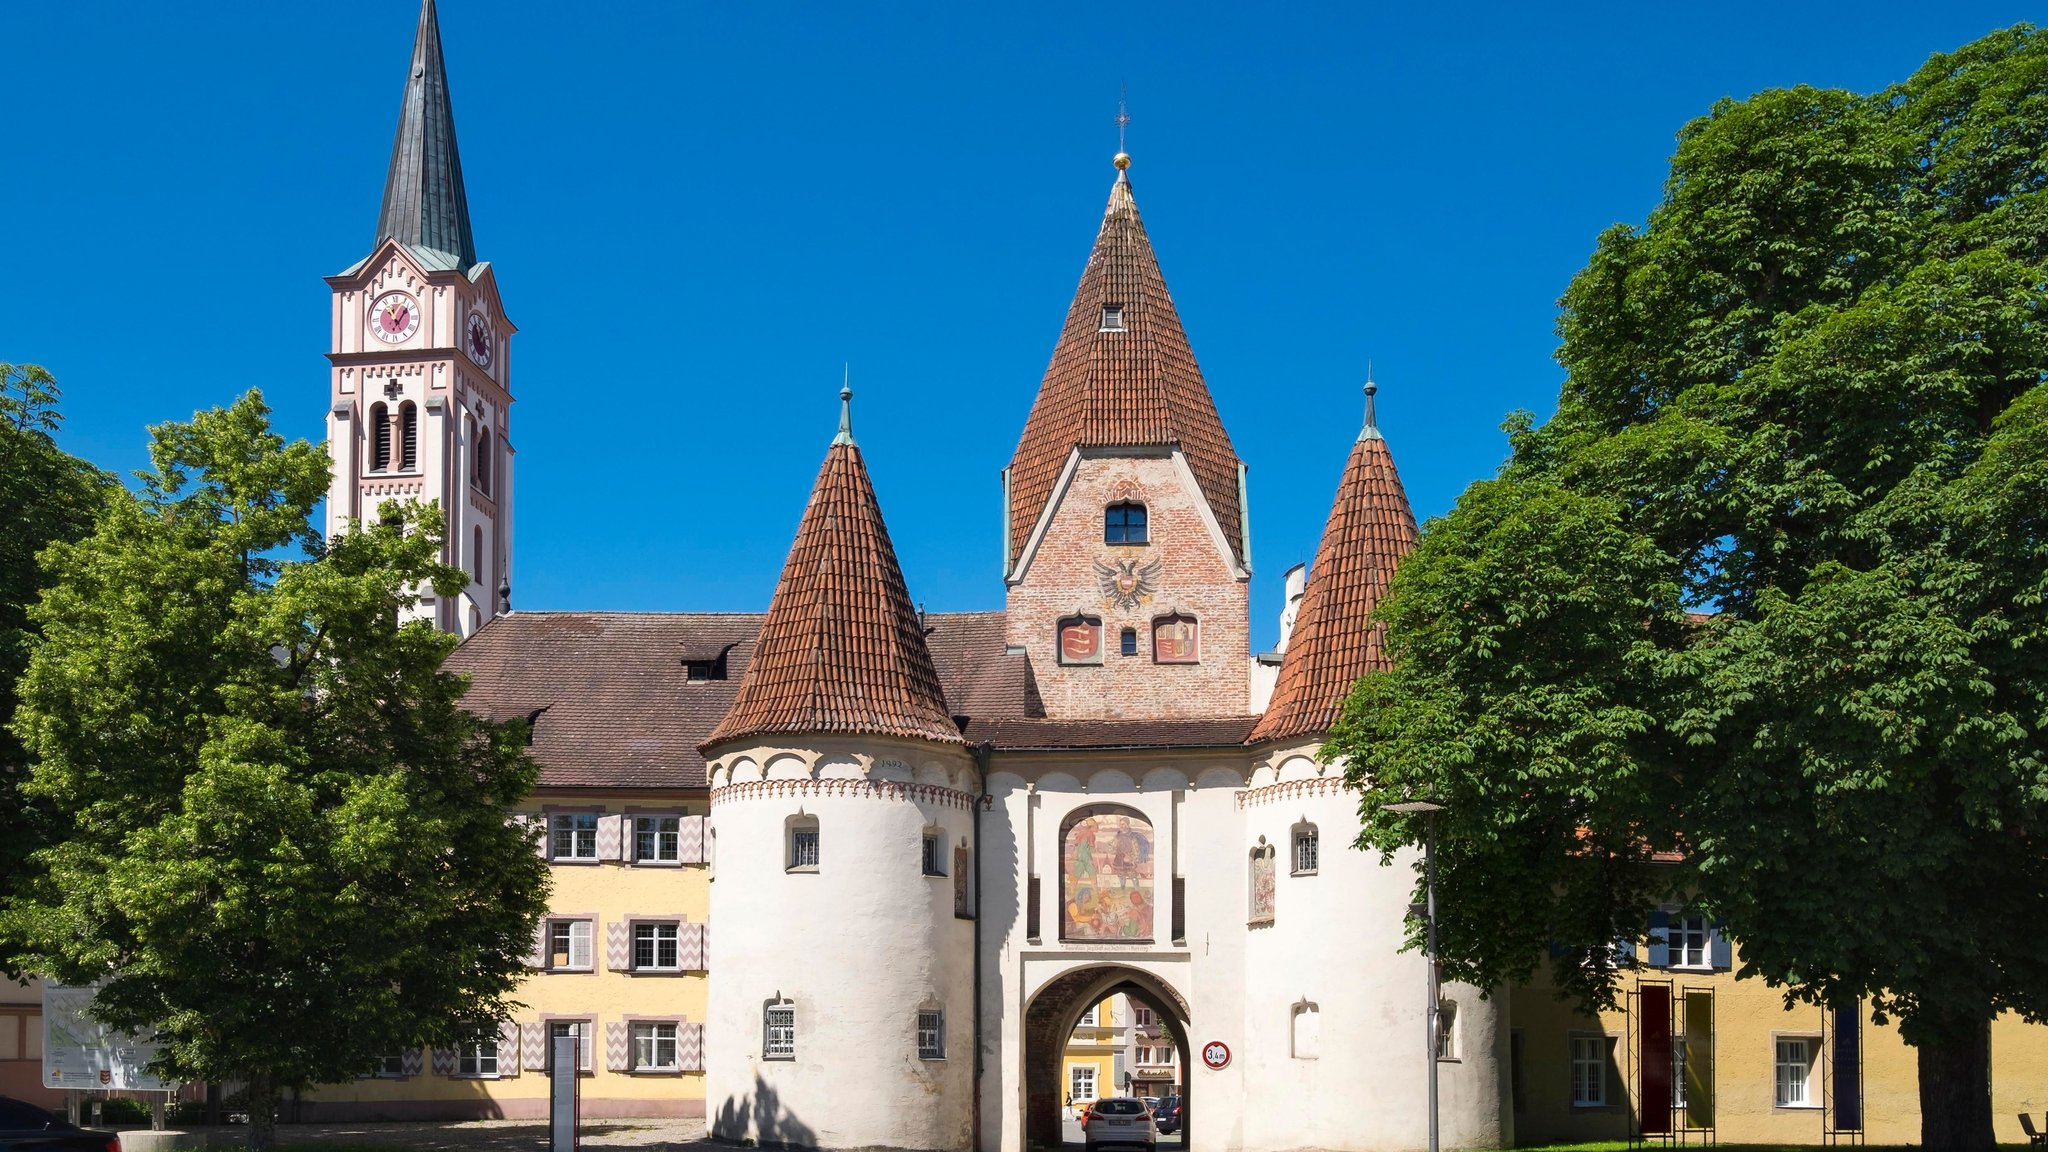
point(1050, 1019)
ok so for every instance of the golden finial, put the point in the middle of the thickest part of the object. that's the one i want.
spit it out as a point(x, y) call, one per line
point(1123, 117)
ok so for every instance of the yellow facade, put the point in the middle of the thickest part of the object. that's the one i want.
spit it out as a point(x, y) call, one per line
point(607, 892)
point(1093, 1047)
point(1749, 1018)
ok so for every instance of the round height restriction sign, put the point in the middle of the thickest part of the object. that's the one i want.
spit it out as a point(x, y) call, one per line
point(1216, 1054)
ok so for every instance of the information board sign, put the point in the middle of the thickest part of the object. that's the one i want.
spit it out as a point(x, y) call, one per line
point(81, 1052)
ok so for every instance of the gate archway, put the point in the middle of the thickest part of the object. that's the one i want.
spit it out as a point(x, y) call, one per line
point(1050, 1019)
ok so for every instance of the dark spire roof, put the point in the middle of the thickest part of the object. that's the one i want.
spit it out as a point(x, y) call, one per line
point(1370, 530)
point(841, 650)
point(424, 205)
point(1128, 387)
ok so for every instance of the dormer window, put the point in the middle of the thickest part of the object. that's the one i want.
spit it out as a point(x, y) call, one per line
point(1112, 317)
point(704, 662)
point(1124, 524)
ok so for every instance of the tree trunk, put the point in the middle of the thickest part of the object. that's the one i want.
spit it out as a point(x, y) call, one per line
point(1955, 1088)
point(262, 1097)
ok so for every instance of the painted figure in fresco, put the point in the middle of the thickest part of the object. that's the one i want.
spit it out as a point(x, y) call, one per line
point(1107, 862)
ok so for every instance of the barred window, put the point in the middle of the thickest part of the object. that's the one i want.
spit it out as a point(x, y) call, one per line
point(654, 947)
point(1307, 849)
point(803, 845)
point(575, 835)
point(657, 839)
point(779, 1039)
point(934, 855)
point(931, 1035)
point(654, 1047)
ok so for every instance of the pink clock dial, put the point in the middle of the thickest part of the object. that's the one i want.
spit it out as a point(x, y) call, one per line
point(394, 317)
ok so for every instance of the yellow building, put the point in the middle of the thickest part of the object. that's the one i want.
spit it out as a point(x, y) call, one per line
point(1733, 1061)
point(1092, 1066)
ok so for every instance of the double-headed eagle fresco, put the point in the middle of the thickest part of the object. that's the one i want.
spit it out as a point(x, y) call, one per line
point(1124, 584)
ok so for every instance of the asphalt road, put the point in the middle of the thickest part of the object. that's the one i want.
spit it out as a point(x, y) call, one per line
point(1071, 1135)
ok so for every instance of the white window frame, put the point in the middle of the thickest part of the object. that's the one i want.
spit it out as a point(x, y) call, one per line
point(652, 1039)
point(1089, 1018)
point(664, 837)
point(573, 831)
point(1142, 1016)
point(390, 1066)
point(931, 1034)
point(934, 850)
point(566, 928)
point(1690, 943)
point(1113, 318)
point(657, 935)
point(1308, 850)
point(805, 846)
point(778, 1032)
point(477, 1058)
point(1589, 1071)
point(1447, 1030)
point(584, 1030)
point(1795, 1063)
point(1081, 1082)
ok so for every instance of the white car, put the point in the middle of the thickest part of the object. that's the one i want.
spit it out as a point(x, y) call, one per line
point(1120, 1122)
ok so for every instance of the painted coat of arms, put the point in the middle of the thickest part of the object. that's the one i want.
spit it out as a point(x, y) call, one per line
point(1124, 584)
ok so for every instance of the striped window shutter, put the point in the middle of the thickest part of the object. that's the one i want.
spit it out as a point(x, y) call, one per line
point(509, 1051)
point(533, 1047)
point(692, 835)
point(538, 958)
point(691, 946)
point(410, 1063)
point(444, 1061)
point(690, 1047)
point(618, 953)
point(704, 945)
point(1660, 940)
point(1719, 954)
point(617, 1058)
point(610, 837)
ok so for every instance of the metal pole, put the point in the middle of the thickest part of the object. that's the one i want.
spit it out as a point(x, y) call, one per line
point(1435, 994)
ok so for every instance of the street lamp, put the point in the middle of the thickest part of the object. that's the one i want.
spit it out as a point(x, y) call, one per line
point(1429, 809)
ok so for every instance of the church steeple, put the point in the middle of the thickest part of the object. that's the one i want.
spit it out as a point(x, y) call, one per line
point(425, 207)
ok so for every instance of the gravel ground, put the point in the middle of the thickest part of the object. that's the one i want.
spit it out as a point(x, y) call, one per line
point(473, 1136)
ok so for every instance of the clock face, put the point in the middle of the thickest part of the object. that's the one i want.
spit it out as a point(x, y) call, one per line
point(479, 339)
point(394, 317)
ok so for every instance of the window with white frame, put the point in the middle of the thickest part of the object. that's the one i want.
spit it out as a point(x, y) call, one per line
point(654, 1046)
point(657, 839)
point(1112, 318)
point(1589, 1071)
point(1447, 1030)
point(581, 1031)
point(478, 1057)
point(390, 1066)
point(931, 1034)
point(574, 835)
point(1689, 942)
point(1142, 1016)
point(934, 854)
point(1088, 1018)
point(1307, 849)
point(655, 947)
point(778, 1032)
point(1678, 1071)
point(803, 845)
point(569, 947)
point(1795, 1061)
point(1081, 1082)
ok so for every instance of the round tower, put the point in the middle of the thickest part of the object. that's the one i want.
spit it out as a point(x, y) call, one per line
point(841, 1006)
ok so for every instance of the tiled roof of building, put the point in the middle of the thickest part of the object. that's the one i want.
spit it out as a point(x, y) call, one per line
point(609, 691)
point(425, 207)
point(841, 649)
point(1370, 530)
point(1137, 386)
point(1057, 735)
point(982, 677)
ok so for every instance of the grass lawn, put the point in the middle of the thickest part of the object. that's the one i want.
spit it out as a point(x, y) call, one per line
point(1624, 1146)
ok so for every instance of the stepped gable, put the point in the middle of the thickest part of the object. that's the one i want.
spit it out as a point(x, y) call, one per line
point(1131, 388)
point(841, 650)
point(1370, 530)
point(425, 207)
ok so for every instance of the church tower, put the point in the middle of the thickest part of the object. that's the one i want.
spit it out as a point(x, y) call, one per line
point(1127, 540)
point(421, 358)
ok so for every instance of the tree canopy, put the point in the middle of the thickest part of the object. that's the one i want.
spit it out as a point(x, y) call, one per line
point(1758, 621)
point(281, 841)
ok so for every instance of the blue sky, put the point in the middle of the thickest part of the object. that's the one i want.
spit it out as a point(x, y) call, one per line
point(699, 212)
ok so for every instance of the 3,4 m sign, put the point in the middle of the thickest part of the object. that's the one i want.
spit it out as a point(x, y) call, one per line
point(81, 1052)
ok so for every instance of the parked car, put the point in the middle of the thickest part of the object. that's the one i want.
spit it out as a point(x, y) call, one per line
point(1120, 1122)
point(27, 1128)
point(1170, 1114)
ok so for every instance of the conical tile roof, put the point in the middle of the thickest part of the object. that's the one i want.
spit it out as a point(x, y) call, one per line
point(1137, 386)
point(841, 649)
point(425, 207)
point(1371, 529)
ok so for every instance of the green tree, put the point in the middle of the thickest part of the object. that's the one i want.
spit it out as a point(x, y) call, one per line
point(283, 842)
point(46, 495)
point(1769, 594)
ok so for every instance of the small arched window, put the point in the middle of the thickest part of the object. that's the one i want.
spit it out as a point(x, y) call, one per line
point(409, 431)
point(1307, 849)
point(778, 1031)
point(803, 844)
point(1124, 524)
point(380, 438)
point(483, 461)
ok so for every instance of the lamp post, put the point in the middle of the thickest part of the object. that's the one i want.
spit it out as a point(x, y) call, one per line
point(1429, 809)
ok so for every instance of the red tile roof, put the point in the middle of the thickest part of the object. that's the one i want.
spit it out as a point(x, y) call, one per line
point(1136, 387)
point(1370, 530)
point(841, 649)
